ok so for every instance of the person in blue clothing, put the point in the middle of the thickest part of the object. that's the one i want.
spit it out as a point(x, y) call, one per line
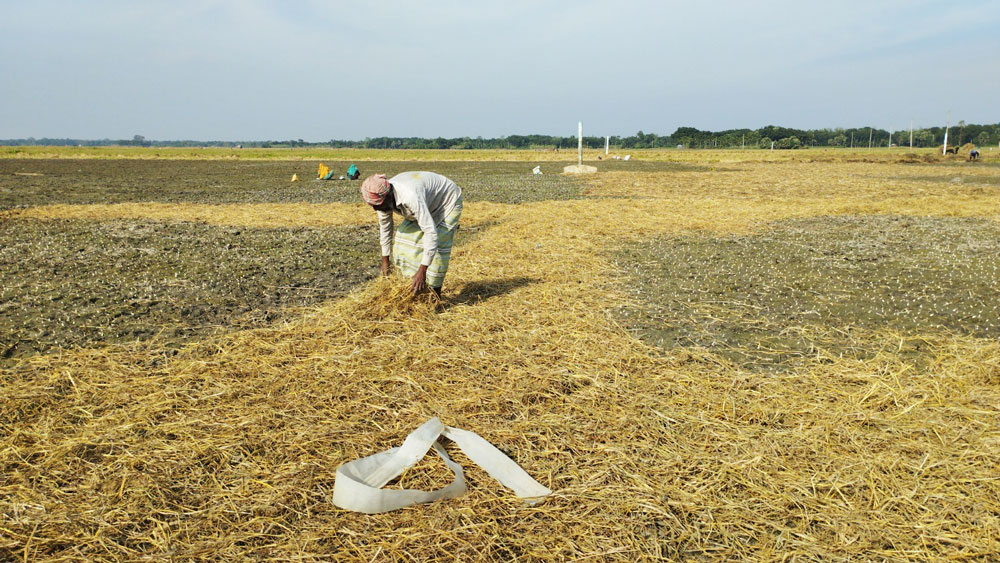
point(353, 173)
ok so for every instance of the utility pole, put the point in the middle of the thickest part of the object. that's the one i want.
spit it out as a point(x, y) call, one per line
point(852, 139)
point(889, 146)
point(579, 143)
point(607, 142)
point(869, 137)
point(911, 133)
point(743, 142)
point(944, 149)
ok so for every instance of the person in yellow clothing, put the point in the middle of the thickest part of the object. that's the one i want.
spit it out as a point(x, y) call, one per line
point(430, 205)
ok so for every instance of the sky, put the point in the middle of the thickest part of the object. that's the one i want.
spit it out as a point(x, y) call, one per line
point(319, 70)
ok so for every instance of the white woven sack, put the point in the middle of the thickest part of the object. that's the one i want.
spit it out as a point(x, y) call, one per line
point(358, 484)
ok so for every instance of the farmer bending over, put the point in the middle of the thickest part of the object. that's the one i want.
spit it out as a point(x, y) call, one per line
point(431, 206)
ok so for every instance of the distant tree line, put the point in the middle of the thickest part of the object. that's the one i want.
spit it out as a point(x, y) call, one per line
point(686, 137)
point(786, 138)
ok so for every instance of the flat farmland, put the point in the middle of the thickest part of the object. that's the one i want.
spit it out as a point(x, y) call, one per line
point(704, 354)
point(116, 276)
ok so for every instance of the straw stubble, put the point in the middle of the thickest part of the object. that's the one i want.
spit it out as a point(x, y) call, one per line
point(228, 450)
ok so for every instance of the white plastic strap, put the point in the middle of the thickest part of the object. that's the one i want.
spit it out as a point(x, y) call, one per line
point(358, 484)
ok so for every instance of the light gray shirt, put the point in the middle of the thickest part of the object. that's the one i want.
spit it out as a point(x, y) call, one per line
point(425, 198)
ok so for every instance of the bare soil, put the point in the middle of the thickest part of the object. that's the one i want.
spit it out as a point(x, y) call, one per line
point(816, 287)
point(27, 182)
point(85, 283)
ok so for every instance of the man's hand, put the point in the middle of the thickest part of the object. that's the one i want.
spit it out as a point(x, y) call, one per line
point(420, 279)
point(385, 266)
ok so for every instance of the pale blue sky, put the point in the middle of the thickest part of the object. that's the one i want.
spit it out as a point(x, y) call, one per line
point(258, 70)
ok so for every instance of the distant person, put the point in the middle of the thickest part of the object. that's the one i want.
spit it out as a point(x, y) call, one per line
point(353, 173)
point(974, 154)
point(431, 206)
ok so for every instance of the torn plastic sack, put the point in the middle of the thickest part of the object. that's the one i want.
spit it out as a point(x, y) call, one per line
point(358, 484)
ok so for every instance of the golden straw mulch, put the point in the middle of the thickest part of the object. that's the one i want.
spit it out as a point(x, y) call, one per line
point(228, 449)
point(263, 215)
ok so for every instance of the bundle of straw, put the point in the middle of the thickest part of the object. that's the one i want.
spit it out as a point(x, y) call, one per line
point(392, 297)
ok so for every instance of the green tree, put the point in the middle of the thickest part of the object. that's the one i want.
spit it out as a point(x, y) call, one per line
point(983, 139)
point(923, 138)
point(792, 142)
point(765, 143)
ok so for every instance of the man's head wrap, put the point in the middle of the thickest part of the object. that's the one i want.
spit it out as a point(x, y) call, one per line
point(374, 189)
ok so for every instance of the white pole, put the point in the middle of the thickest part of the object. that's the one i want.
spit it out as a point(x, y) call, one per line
point(944, 149)
point(607, 143)
point(579, 143)
point(890, 137)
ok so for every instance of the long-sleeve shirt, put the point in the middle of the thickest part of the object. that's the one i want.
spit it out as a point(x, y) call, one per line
point(424, 197)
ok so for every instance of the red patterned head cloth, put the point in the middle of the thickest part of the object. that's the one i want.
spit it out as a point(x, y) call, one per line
point(374, 189)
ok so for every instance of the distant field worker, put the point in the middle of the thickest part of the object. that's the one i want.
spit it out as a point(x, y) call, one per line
point(431, 206)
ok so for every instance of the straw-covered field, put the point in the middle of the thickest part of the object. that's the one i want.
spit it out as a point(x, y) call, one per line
point(705, 355)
